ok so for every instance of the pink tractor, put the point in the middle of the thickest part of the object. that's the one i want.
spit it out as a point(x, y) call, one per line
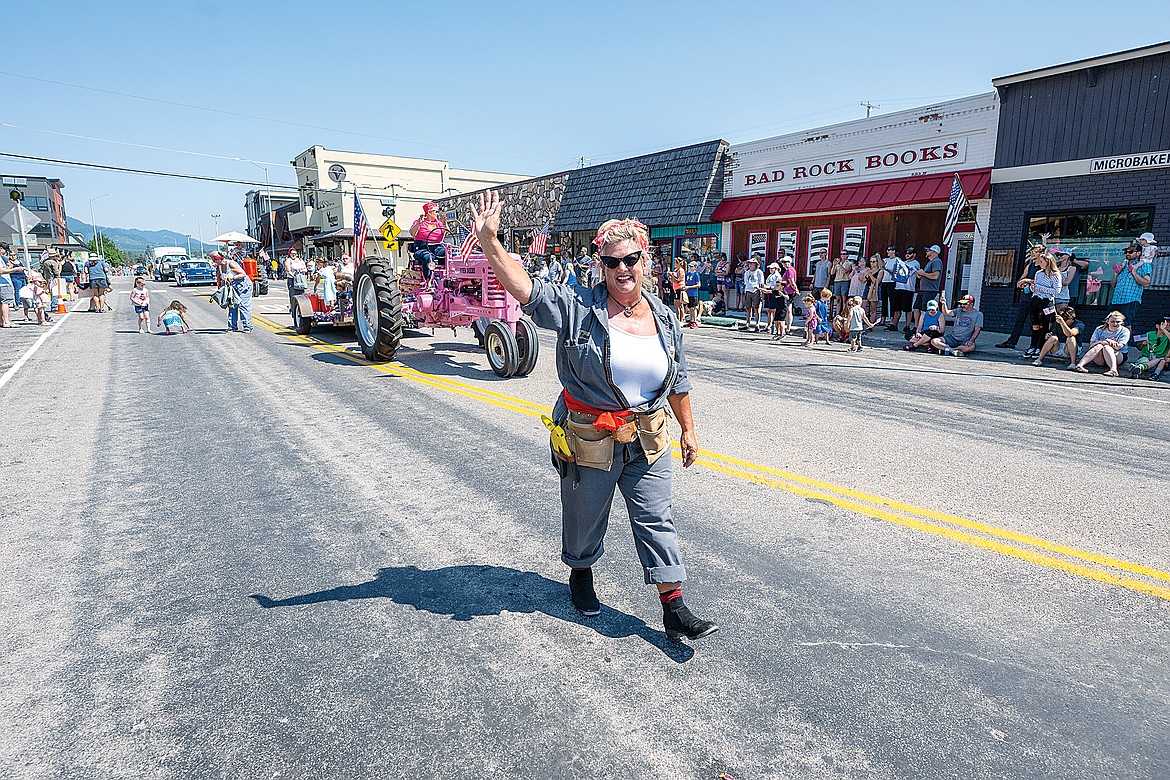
point(463, 292)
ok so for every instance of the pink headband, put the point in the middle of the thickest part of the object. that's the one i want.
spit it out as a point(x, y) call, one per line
point(641, 231)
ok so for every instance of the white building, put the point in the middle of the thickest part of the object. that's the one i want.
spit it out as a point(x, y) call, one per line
point(325, 219)
point(864, 185)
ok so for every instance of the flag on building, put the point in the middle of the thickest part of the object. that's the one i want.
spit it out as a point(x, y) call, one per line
point(540, 240)
point(955, 206)
point(360, 229)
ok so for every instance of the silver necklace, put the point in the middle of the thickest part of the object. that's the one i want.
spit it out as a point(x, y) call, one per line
point(627, 310)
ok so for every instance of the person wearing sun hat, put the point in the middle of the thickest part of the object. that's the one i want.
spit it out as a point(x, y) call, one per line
point(753, 283)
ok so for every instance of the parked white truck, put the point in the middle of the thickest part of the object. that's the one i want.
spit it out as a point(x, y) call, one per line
point(164, 259)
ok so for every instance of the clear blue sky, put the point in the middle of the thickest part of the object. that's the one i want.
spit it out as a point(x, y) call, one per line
point(523, 87)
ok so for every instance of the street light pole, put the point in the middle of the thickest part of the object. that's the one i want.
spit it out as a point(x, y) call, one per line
point(216, 218)
point(199, 227)
point(268, 198)
point(96, 242)
point(188, 245)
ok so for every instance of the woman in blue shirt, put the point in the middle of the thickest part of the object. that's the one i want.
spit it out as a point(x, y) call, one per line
point(692, 282)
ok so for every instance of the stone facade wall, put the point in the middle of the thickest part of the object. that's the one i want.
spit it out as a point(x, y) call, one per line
point(527, 204)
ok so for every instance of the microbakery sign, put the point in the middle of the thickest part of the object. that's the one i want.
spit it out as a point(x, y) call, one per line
point(947, 136)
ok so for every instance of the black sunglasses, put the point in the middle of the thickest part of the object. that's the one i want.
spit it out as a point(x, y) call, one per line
point(631, 260)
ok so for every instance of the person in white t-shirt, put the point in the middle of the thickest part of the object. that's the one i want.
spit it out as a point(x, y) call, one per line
point(140, 299)
point(753, 283)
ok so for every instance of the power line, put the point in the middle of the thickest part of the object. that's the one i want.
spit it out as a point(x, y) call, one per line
point(142, 146)
point(140, 171)
point(215, 179)
point(265, 118)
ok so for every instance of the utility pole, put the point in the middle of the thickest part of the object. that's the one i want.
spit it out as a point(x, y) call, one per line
point(582, 160)
point(188, 246)
point(216, 218)
point(869, 107)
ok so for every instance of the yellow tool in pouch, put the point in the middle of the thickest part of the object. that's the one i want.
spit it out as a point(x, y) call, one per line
point(557, 434)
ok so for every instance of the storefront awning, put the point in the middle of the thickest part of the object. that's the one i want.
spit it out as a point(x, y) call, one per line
point(909, 191)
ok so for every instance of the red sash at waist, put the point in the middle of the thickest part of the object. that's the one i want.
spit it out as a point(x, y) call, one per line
point(606, 421)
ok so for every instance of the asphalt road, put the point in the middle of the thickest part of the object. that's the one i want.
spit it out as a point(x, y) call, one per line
point(257, 556)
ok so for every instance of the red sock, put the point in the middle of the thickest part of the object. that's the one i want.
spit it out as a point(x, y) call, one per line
point(670, 595)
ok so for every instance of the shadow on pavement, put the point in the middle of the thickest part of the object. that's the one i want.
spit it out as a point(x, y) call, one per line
point(466, 592)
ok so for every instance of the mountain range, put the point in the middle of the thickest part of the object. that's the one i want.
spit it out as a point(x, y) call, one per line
point(135, 240)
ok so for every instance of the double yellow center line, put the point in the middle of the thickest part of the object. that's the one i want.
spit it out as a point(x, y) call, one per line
point(1081, 563)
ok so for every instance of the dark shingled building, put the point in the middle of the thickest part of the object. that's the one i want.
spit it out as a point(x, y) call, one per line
point(1083, 154)
point(672, 192)
point(674, 187)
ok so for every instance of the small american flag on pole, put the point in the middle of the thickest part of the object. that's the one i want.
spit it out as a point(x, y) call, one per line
point(540, 241)
point(958, 201)
point(360, 229)
point(466, 239)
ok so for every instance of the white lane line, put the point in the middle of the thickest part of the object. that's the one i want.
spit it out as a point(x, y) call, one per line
point(11, 372)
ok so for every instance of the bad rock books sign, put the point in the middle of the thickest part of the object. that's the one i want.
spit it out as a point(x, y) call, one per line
point(870, 164)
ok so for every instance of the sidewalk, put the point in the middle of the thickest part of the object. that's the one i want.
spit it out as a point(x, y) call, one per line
point(880, 337)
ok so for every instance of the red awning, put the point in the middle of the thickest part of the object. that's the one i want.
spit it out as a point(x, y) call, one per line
point(912, 190)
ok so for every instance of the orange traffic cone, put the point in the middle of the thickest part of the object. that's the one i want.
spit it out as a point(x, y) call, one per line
point(60, 306)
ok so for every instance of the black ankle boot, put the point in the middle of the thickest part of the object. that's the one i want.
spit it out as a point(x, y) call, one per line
point(680, 621)
point(582, 593)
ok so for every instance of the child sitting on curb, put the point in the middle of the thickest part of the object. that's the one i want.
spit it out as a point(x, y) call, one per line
point(1155, 349)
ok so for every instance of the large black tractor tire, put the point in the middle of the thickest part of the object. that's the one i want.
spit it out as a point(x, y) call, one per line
point(503, 353)
point(528, 344)
point(301, 325)
point(377, 310)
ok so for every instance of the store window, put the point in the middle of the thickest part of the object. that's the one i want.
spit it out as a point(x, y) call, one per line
point(818, 239)
point(758, 243)
point(786, 240)
point(1096, 237)
point(703, 246)
point(853, 240)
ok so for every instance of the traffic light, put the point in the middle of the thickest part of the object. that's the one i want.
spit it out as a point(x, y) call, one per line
point(16, 195)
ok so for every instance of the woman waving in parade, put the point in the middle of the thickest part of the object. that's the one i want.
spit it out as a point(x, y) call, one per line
point(620, 360)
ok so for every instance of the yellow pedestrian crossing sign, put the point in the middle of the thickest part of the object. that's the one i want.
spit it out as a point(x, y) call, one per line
point(389, 233)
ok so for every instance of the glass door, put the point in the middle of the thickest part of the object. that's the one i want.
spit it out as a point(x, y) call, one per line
point(961, 275)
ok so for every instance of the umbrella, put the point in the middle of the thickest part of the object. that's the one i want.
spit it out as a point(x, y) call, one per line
point(234, 236)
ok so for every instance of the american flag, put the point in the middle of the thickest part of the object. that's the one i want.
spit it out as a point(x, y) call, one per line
point(360, 229)
point(466, 239)
point(540, 241)
point(955, 206)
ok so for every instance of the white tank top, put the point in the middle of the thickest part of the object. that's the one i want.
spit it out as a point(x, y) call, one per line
point(638, 365)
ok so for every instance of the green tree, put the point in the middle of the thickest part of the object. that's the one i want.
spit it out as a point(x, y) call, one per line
point(113, 254)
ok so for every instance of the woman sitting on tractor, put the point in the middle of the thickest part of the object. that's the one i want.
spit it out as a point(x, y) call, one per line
point(428, 232)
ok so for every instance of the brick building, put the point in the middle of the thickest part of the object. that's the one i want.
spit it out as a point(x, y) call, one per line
point(1083, 153)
